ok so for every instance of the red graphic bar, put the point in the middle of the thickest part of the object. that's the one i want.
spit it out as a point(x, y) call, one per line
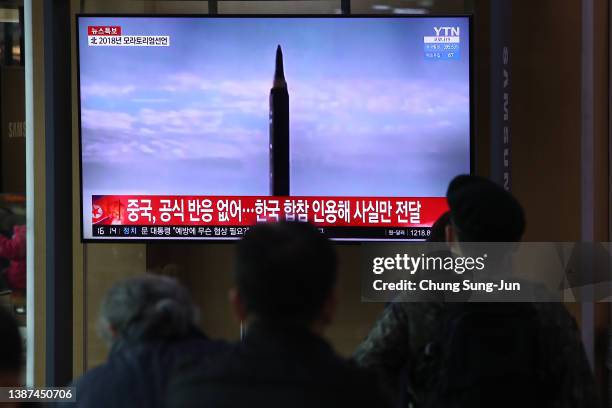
point(249, 210)
point(103, 30)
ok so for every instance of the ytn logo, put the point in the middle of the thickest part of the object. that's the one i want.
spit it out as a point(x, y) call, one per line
point(447, 31)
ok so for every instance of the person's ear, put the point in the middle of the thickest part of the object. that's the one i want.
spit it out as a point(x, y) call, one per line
point(449, 233)
point(113, 331)
point(452, 239)
point(237, 304)
point(329, 308)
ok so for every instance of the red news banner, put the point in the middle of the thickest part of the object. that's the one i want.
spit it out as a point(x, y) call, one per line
point(103, 30)
point(145, 210)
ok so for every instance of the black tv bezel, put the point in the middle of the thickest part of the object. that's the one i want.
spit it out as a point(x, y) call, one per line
point(217, 240)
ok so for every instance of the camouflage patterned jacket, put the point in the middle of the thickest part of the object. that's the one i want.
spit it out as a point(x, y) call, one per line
point(404, 329)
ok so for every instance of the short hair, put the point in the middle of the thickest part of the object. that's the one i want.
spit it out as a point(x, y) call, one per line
point(11, 344)
point(482, 211)
point(285, 271)
point(147, 307)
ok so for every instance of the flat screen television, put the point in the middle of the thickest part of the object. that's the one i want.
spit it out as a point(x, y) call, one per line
point(197, 127)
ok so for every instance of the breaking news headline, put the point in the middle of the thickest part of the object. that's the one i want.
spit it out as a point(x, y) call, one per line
point(248, 210)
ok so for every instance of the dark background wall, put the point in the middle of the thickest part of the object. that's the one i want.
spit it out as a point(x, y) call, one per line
point(546, 106)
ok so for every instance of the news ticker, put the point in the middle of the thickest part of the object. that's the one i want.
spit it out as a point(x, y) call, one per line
point(237, 231)
point(486, 272)
point(37, 394)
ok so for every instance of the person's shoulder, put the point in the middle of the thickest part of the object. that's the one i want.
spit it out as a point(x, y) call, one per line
point(92, 376)
point(360, 384)
point(198, 346)
point(235, 362)
point(164, 353)
point(554, 314)
point(199, 360)
point(154, 361)
point(94, 386)
point(192, 376)
point(349, 372)
point(420, 319)
point(558, 329)
point(237, 372)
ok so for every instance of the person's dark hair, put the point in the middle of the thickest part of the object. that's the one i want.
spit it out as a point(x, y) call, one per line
point(11, 346)
point(438, 229)
point(482, 211)
point(147, 307)
point(285, 271)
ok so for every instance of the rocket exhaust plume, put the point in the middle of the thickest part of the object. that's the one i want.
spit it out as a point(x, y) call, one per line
point(279, 130)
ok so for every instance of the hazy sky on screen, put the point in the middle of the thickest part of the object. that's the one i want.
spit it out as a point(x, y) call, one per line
point(369, 114)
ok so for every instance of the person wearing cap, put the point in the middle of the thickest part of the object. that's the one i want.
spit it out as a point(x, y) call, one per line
point(480, 211)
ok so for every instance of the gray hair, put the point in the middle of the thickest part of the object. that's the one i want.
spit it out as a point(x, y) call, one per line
point(146, 307)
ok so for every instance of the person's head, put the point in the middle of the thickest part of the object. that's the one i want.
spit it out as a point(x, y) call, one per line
point(482, 211)
point(11, 350)
point(146, 307)
point(438, 229)
point(285, 272)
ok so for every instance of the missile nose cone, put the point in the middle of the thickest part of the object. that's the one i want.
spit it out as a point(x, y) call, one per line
point(279, 55)
point(279, 74)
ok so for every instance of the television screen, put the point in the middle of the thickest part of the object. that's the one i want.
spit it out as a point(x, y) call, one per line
point(199, 127)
